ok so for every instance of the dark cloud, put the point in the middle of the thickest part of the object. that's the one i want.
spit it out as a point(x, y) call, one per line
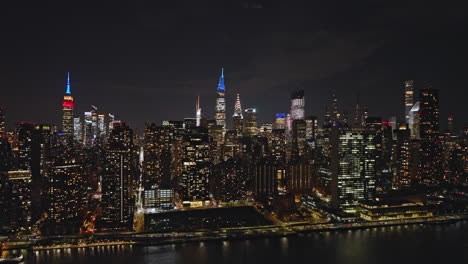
point(295, 58)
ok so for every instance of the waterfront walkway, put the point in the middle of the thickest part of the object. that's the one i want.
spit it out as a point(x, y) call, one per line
point(133, 238)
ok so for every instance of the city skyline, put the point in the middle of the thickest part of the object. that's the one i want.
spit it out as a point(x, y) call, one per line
point(275, 49)
point(233, 131)
point(210, 113)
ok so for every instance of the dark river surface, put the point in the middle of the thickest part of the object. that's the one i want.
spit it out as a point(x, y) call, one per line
point(397, 245)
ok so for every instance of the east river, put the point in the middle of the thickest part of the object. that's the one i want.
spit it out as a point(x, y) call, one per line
point(447, 243)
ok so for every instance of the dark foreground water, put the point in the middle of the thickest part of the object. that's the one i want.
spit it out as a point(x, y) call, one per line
point(396, 245)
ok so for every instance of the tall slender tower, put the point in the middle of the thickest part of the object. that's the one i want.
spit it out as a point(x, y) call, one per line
point(221, 102)
point(238, 118)
point(409, 99)
point(335, 114)
point(198, 111)
point(68, 105)
point(118, 177)
point(431, 166)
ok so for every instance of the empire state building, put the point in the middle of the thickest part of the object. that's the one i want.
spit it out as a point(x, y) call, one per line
point(68, 105)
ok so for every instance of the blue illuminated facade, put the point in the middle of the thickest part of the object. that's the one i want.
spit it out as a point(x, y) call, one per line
point(68, 84)
point(221, 87)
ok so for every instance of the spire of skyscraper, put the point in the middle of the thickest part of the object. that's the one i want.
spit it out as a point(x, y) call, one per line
point(221, 87)
point(336, 115)
point(238, 118)
point(238, 107)
point(68, 84)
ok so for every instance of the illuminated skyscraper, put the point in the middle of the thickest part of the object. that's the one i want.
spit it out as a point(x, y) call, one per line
point(352, 166)
point(383, 140)
point(101, 126)
point(217, 134)
point(288, 120)
point(111, 122)
point(68, 105)
point(431, 169)
point(94, 118)
point(152, 149)
point(298, 138)
point(297, 105)
point(429, 113)
point(230, 181)
point(402, 158)
point(88, 136)
point(231, 147)
point(198, 112)
point(238, 118)
point(93, 123)
point(160, 151)
point(251, 128)
point(19, 210)
point(34, 144)
point(311, 128)
point(66, 194)
point(24, 136)
point(220, 111)
point(409, 99)
point(196, 167)
point(413, 121)
point(117, 178)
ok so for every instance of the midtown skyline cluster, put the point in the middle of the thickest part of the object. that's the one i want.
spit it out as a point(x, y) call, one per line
point(347, 100)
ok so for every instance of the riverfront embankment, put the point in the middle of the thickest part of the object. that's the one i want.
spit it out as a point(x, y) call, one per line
point(241, 233)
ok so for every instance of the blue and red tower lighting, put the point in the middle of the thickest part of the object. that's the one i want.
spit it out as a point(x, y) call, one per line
point(68, 104)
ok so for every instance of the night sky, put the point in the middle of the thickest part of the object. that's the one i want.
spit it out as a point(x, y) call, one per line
point(145, 61)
